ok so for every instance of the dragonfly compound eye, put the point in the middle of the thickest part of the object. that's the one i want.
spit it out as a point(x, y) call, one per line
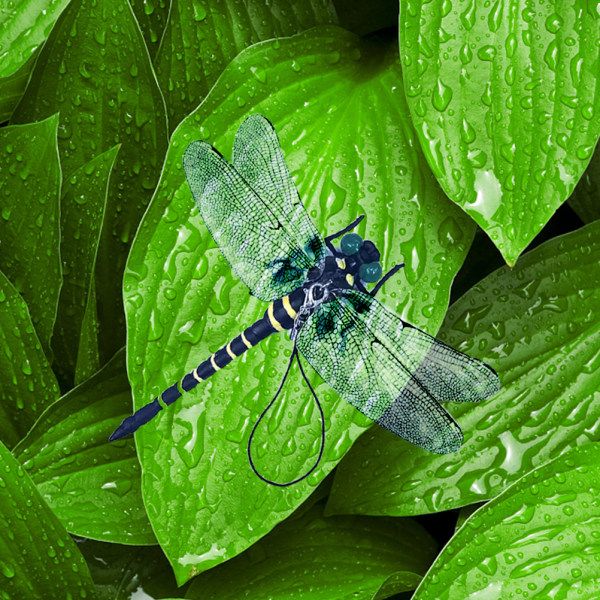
point(370, 272)
point(369, 252)
point(351, 243)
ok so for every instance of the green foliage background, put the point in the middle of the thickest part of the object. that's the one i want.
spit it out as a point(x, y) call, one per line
point(465, 131)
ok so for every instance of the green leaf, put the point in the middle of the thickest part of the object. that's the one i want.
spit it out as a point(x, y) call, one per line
point(88, 354)
point(465, 512)
point(537, 326)
point(584, 200)
point(539, 537)
point(13, 87)
point(92, 486)
point(128, 572)
point(505, 102)
point(24, 25)
point(183, 302)
point(83, 204)
point(38, 559)
point(200, 40)
point(30, 180)
point(152, 19)
point(331, 558)
point(95, 70)
point(27, 384)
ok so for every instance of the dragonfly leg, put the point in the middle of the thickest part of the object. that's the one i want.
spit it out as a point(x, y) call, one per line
point(264, 412)
point(391, 272)
point(335, 251)
point(345, 230)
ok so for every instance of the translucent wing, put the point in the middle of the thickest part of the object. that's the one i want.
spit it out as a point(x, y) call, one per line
point(392, 372)
point(258, 158)
point(269, 242)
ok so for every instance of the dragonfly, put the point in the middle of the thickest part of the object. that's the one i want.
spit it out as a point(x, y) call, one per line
point(393, 372)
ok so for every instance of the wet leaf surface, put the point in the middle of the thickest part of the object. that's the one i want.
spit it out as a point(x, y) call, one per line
point(183, 301)
point(83, 204)
point(13, 87)
point(152, 18)
point(202, 38)
point(334, 558)
point(505, 102)
point(38, 558)
point(539, 537)
point(27, 384)
point(95, 71)
point(129, 572)
point(91, 485)
point(24, 25)
point(537, 325)
point(30, 180)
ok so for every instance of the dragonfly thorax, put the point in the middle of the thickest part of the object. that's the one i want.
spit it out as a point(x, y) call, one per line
point(352, 266)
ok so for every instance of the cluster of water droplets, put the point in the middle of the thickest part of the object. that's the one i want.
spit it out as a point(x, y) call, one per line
point(504, 106)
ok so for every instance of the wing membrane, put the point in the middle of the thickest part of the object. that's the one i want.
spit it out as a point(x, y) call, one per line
point(258, 158)
point(364, 352)
point(265, 235)
point(447, 373)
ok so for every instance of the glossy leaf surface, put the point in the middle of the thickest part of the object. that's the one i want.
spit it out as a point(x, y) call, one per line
point(539, 537)
point(506, 105)
point(30, 180)
point(38, 558)
point(202, 38)
point(24, 25)
point(183, 302)
point(129, 572)
point(13, 87)
point(538, 326)
point(92, 486)
point(95, 71)
point(83, 204)
point(152, 19)
point(27, 384)
point(299, 558)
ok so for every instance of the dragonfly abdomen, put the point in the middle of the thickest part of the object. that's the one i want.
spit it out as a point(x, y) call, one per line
point(279, 316)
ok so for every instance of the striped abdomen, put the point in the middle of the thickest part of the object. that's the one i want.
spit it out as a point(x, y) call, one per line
point(279, 316)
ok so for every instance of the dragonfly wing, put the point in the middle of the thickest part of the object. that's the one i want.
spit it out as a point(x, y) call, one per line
point(259, 159)
point(353, 343)
point(447, 373)
point(252, 233)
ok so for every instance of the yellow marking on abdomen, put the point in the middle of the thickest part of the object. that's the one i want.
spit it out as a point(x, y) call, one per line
point(341, 263)
point(276, 324)
point(213, 363)
point(350, 279)
point(228, 348)
point(196, 376)
point(288, 307)
point(245, 340)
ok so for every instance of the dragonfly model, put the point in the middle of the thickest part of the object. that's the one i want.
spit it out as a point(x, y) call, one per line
point(392, 372)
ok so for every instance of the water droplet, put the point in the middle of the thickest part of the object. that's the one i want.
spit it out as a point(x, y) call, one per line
point(554, 22)
point(199, 11)
point(442, 94)
point(486, 53)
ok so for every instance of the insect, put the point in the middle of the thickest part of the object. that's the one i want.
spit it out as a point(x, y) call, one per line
point(391, 371)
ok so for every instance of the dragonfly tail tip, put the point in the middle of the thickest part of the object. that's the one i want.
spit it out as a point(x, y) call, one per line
point(119, 433)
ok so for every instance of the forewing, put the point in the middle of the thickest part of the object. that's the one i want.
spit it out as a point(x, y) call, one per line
point(259, 159)
point(348, 341)
point(260, 248)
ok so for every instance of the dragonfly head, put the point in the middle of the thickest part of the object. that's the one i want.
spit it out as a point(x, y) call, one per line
point(364, 254)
